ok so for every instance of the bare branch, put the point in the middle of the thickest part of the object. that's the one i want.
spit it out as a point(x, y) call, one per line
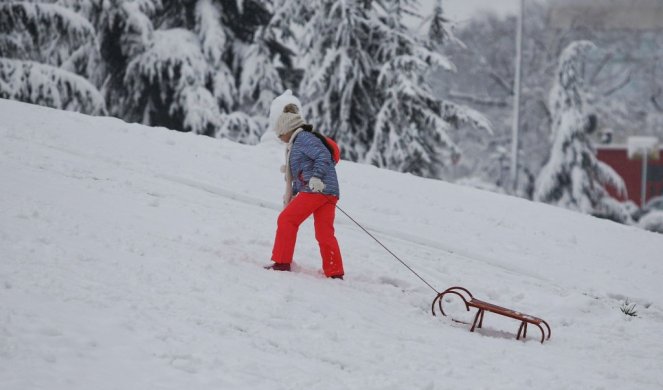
point(501, 82)
point(478, 100)
point(619, 86)
point(604, 61)
point(655, 102)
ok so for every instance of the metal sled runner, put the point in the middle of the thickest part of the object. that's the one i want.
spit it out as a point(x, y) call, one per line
point(485, 306)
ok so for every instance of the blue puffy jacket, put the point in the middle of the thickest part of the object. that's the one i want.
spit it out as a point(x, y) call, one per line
point(310, 158)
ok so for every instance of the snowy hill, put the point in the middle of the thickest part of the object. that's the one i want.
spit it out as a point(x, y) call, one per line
point(130, 258)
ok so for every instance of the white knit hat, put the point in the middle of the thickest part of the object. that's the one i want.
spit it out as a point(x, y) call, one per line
point(289, 120)
point(277, 106)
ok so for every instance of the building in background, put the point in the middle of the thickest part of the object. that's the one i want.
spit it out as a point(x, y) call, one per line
point(639, 173)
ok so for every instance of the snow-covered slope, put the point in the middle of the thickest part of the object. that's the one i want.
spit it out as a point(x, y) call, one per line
point(130, 258)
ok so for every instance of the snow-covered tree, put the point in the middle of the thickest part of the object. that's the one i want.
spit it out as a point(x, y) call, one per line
point(38, 42)
point(251, 66)
point(49, 86)
point(410, 134)
point(124, 32)
point(211, 67)
point(412, 125)
point(338, 85)
point(42, 32)
point(439, 28)
point(259, 79)
point(573, 177)
point(168, 83)
point(364, 85)
point(206, 66)
point(624, 75)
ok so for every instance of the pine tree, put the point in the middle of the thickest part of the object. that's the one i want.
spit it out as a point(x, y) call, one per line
point(364, 84)
point(411, 128)
point(49, 86)
point(206, 66)
point(168, 81)
point(439, 33)
point(39, 42)
point(410, 135)
point(211, 68)
point(42, 32)
point(573, 177)
point(339, 81)
point(124, 31)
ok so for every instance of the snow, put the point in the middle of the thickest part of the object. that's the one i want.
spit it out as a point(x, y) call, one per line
point(652, 221)
point(131, 258)
point(639, 145)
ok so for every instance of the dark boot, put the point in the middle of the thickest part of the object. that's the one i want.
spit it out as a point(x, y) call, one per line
point(337, 277)
point(278, 267)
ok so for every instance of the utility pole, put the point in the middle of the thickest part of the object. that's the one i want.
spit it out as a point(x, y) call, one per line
point(516, 102)
point(643, 188)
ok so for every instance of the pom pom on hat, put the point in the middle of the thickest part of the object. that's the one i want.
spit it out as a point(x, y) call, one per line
point(278, 107)
point(291, 108)
point(288, 121)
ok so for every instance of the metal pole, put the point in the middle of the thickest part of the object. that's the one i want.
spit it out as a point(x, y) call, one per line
point(643, 190)
point(516, 102)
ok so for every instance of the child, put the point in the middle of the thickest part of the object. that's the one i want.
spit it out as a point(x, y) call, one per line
point(311, 188)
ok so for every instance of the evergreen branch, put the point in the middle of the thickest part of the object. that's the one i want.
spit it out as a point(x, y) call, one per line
point(624, 82)
point(49, 86)
point(49, 32)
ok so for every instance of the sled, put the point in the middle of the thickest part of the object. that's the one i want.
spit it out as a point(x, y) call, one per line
point(483, 307)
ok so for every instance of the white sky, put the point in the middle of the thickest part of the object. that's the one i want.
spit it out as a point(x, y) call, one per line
point(460, 10)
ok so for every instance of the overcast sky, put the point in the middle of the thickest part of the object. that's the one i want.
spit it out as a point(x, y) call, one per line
point(460, 10)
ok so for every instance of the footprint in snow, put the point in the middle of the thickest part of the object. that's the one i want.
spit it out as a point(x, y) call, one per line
point(401, 284)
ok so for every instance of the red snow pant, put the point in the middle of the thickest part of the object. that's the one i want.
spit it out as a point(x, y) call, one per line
point(323, 208)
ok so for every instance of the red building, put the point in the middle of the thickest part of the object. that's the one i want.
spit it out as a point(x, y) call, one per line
point(630, 169)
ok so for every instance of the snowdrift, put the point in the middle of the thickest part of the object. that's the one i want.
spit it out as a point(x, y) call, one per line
point(130, 257)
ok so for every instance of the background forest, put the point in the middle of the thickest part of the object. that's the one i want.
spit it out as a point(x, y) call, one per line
point(396, 87)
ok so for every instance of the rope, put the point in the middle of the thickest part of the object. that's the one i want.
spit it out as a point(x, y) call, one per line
point(387, 249)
